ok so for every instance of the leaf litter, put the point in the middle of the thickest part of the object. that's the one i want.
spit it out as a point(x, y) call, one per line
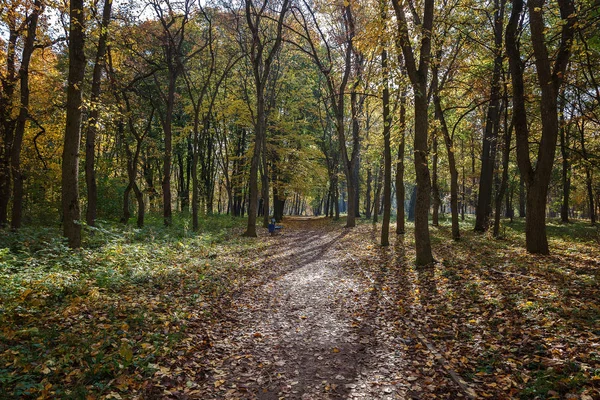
point(323, 312)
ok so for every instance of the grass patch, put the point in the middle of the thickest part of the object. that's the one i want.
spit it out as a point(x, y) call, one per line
point(94, 321)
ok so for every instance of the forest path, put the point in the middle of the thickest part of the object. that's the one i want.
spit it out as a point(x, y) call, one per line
point(311, 328)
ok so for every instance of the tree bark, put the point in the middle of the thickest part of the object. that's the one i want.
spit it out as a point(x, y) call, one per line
point(505, 164)
point(452, 166)
point(490, 138)
point(400, 191)
point(377, 197)
point(7, 123)
point(435, 192)
point(262, 60)
point(418, 77)
point(265, 185)
point(387, 150)
point(550, 78)
point(17, 173)
point(90, 136)
point(70, 158)
point(167, 157)
point(588, 174)
point(368, 193)
point(566, 179)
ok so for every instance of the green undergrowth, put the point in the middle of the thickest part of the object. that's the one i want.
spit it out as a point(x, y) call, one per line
point(38, 260)
point(94, 321)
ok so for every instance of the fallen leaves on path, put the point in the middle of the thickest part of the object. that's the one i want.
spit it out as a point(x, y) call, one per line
point(321, 312)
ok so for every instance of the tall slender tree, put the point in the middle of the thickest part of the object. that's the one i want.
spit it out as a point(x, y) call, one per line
point(92, 128)
point(173, 19)
point(387, 125)
point(418, 74)
point(488, 154)
point(23, 116)
point(262, 50)
point(316, 43)
point(70, 158)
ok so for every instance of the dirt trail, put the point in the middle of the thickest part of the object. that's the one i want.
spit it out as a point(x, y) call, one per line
point(310, 329)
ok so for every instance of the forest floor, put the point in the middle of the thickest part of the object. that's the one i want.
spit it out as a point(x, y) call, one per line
point(316, 312)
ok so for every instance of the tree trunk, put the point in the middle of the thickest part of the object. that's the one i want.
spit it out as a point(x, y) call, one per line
point(253, 181)
point(168, 131)
point(588, 174)
point(535, 223)
point(418, 77)
point(505, 164)
point(400, 191)
point(452, 166)
point(550, 78)
point(422, 240)
point(261, 60)
point(566, 180)
point(126, 211)
point(28, 48)
point(368, 194)
point(195, 180)
point(90, 137)
point(387, 152)
point(7, 123)
point(377, 196)
point(70, 158)
point(435, 192)
point(522, 195)
point(336, 200)
point(265, 185)
point(490, 137)
point(139, 196)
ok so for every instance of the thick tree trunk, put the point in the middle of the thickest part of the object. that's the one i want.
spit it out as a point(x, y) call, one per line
point(535, 224)
point(70, 159)
point(422, 240)
point(550, 78)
